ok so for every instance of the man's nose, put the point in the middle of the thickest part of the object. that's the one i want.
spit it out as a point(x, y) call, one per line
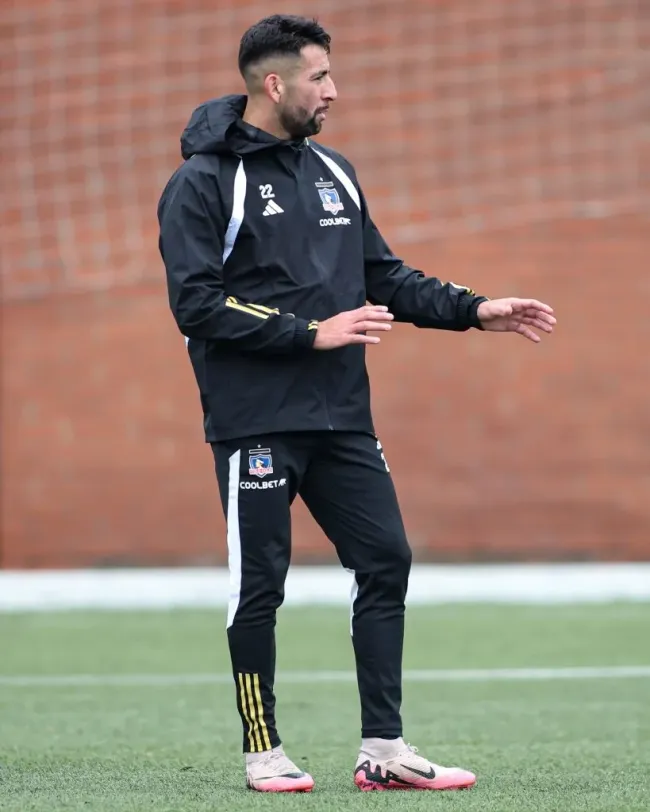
point(330, 93)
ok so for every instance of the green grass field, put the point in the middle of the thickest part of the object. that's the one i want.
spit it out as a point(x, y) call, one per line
point(543, 745)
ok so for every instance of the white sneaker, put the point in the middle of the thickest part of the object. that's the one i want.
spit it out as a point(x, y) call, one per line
point(277, 773)
point(407, 770)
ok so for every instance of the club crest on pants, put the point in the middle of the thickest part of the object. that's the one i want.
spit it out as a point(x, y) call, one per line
point(260, 462)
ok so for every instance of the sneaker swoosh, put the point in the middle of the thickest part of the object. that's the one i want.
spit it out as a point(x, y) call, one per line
point(431, 774)
point(282, 775)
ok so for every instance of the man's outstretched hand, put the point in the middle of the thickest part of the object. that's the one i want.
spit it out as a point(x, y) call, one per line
point(516, 316)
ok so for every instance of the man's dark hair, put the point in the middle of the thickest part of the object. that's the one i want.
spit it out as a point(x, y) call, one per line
point(279, 35)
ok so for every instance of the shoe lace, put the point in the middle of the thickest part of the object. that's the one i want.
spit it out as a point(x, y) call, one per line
point(279, 760)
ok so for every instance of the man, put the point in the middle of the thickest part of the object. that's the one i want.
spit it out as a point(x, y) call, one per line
point(271, 257)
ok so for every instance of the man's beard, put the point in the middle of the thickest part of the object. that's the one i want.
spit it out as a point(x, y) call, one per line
point(298, 123)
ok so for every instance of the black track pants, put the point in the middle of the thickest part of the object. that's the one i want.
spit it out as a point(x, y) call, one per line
point(345, 483)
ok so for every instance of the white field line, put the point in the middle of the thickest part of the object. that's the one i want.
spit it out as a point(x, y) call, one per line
point(45, 590)
point(309, 677)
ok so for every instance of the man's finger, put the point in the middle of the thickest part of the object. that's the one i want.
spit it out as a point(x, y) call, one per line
point(524, 304)
point(539, 323)
point(371, 310)
point(526, 332)
point(362, 326)
point(359, 338)
point(369, 315)
point(538, 314)
point(541, 315)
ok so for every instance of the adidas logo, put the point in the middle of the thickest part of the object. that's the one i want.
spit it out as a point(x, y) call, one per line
point(272, 208)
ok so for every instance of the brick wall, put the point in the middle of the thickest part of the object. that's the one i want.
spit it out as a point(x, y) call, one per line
point(502, 144)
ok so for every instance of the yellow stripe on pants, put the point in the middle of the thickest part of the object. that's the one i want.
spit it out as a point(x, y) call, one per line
point(251, 705)
point(242, 697)
point(258, 696)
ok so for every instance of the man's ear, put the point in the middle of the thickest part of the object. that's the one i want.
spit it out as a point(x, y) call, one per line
point(274, 87)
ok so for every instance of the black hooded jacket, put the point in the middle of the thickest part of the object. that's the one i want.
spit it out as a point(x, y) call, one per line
point(261, 239)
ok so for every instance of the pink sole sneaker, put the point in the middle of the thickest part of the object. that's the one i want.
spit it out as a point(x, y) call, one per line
point(283, 784)
point(450, 780)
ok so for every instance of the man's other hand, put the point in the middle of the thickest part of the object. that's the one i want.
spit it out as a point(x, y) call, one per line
point(351, 326)
point(516, 316)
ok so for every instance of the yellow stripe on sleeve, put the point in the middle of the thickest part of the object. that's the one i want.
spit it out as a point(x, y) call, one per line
point(232, 302)
point(272, 311)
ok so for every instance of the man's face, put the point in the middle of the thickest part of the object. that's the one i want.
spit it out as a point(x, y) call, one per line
point(308, 92)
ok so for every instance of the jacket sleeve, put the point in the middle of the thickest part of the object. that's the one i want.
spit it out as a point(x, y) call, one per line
point(410, 295)
point(191, 243)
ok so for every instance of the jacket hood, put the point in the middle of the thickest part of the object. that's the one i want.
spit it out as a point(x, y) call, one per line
point(216, 127)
